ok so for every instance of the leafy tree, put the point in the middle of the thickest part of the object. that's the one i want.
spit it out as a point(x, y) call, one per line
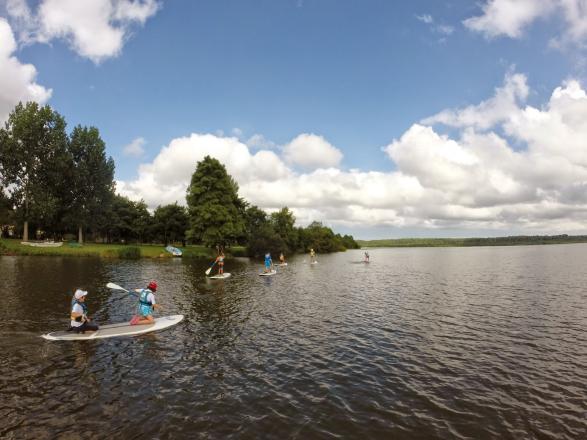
point(349, 242)
point(6, 212)
point(129, 221)
point(215, 210)
point(170, 223)
point(283, 222)
point(34, 161)
point(92, 186)
point(321, 239)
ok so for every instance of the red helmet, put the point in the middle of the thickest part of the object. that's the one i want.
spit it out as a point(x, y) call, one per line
point(152, 286)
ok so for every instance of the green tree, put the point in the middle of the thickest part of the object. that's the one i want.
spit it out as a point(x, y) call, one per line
point(215, 210)
point(128, 221)
point(283, 222)
point(92, 186)
point(34, 162)
point(170, 223)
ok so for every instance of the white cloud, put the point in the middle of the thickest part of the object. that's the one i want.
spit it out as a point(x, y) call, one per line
point(17, 80)
point(510, 18)
point(311, 151)
point(425, 18)
point(472, 180)
point(136, 148)
point(260, 141)
point(95, 29)
point(488, 113)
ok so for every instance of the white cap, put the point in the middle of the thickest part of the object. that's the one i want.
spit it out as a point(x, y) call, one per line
point(79, 293)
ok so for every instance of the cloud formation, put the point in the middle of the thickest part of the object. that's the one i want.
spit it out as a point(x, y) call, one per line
point(95, 29)
point(17, 80)
point(136, 148)
point(311, 151)
point(510, 18)
point(506, 166)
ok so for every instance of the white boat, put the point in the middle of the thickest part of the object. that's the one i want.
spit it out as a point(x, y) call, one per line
point(42, 243)
point(115, 330)
point(174, 251)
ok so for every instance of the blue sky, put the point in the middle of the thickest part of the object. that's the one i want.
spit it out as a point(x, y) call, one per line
point(356, 75)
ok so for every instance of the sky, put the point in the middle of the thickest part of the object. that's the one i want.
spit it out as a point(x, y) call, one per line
point(382, 119)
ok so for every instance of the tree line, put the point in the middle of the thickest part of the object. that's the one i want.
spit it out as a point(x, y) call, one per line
point(61, 186)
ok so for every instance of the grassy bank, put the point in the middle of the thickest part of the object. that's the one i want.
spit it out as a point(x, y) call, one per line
point(14, 247)
point(518, 240)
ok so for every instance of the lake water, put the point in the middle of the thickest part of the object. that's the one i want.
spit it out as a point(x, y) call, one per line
point(463, 343)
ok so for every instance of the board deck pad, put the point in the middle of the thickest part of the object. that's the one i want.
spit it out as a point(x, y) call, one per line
point(116, 330)
point(267, 274)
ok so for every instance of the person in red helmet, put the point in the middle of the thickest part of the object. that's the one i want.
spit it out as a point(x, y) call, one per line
point(146, 305)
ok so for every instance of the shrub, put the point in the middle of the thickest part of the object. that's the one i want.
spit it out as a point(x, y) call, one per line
point(129, 252)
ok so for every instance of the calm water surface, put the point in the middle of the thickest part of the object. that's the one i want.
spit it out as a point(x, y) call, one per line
point(464, 343)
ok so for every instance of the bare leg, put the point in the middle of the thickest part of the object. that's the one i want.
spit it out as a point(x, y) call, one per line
point(145, 320)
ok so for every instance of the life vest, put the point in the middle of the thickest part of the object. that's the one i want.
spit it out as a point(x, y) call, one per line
point(145, 306)
point(79, 319)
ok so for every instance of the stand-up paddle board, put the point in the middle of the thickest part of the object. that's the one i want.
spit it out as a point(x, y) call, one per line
point(281, 264)
point(220, 276)
point(116, 330)
point(267, 274)
point(314, 262)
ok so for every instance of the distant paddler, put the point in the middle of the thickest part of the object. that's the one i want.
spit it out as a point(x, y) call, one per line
point(268, 262)
point(147, 304)
point(312, 256)
point(220, 261)
point(282, 259)
point(80, 322)
point(366, 257)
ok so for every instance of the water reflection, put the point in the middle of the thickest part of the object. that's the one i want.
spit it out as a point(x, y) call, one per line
point(420, 343)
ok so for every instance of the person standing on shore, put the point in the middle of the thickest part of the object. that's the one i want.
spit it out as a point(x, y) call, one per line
point(80, 322)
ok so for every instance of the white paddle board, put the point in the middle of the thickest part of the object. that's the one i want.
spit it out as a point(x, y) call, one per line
point(220, 277)
point(267, 274)
point(281, 264)
point(116, 330)
point(314, 262)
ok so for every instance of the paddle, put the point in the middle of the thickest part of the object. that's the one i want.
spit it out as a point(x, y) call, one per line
point(117, 287)
point(210, 268)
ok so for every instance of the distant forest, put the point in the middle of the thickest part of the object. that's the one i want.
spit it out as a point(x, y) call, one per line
point(516, 240)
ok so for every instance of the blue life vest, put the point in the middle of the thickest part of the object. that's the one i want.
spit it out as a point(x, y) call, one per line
point(267, 260)
point(145, 306)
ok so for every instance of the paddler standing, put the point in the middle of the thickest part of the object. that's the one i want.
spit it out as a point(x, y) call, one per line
point(268, 262)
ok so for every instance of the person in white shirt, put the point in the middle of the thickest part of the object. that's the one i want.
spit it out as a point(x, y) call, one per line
point(80, 322)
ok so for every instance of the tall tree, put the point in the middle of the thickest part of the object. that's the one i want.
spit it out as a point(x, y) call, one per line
point(170, 223)
point(34, 160)
point(283, 222)
point(92, 186)
point(215, 210)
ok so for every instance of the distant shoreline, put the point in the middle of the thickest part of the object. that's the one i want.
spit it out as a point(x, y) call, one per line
point(517, 240)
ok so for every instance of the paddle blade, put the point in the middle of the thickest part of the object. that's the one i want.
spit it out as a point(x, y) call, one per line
point(208, 271)
point(115, 286)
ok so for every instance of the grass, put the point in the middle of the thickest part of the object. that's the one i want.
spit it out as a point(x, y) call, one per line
point(13, 247)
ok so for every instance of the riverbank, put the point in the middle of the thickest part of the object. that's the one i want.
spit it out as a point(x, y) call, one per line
point(519, 240)
point(14, 247)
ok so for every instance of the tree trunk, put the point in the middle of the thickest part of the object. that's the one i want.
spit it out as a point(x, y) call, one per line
point(25, 233)
point(80, 238)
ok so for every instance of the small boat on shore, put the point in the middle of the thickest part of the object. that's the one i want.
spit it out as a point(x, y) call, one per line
point(42, 243)
point(174, 251)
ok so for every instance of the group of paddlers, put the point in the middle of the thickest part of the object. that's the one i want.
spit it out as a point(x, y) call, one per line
point(81, 322)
